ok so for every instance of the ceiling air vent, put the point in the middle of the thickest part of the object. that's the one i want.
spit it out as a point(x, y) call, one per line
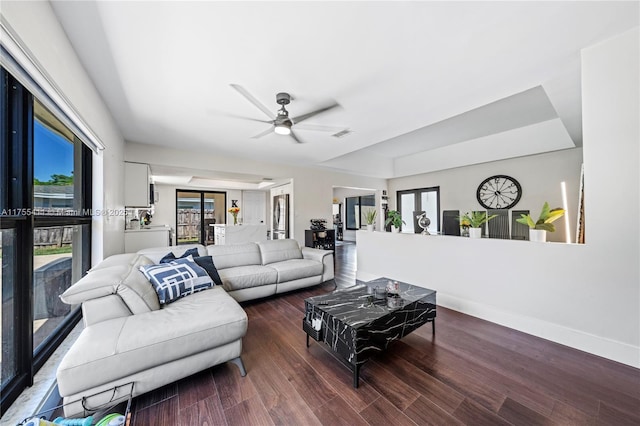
point(342, 133)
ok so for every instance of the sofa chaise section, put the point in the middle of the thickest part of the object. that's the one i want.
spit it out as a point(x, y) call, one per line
point(131, 340)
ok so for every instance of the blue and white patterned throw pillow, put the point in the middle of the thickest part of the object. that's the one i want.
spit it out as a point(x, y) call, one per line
point(177, 279)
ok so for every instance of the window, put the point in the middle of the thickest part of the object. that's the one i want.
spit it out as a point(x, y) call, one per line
point(415, 201)
point(356, 209)
point(45, 232)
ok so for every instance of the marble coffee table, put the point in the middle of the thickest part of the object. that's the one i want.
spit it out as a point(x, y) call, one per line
point(357, 326)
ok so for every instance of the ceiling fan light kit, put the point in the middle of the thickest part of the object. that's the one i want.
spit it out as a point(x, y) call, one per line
point(282, 129)
point(282, 124)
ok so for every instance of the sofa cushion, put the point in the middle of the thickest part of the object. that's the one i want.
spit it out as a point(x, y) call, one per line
point(279, 250)
point(247, 276)
point(206, 262)
point(117, 348)
point(177, 279)
point(124, 280)
point(157, 253)
point(136, 291)
point(193, 252)
point(294, 269)
point(228, 256)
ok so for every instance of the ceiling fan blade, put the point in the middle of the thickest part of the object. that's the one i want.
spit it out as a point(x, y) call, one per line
point(242, 117)
point(295, 138)
point(265, 133)
point(313, 113)
point(254, 101)
point(319, 128)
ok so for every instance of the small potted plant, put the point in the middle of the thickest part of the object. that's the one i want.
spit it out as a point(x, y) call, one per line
point(395, 219)
point(370, 216)
point(475, 221)
point(538, 229)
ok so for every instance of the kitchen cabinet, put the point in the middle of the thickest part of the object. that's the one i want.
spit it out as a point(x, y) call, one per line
point(137, 177)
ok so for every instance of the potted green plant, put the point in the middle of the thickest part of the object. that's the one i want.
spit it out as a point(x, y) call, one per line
point(395, 219)
point(475, 221)
point(370, 216)
point(538, 229)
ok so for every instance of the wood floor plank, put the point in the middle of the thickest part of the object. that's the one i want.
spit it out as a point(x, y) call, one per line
point(249, 412)
point(566, 415)
point(205, 412)
point(337, 412)
point(389, 385)
point(156, 396)
point(472, 413)
point(232, 388)
point(196, 388)
point(426, 385)
point(425, 412)
point(383, 413)
point(609, 415)
point(518, 414)
point(339, 377)
point(165, 412)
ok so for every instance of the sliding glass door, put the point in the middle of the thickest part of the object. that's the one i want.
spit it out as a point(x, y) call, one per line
point(196, 212)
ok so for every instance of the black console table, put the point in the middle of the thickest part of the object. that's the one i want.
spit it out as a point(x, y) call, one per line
point(323, 239)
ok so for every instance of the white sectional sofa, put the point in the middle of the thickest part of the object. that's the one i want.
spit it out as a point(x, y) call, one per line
point(130, 337)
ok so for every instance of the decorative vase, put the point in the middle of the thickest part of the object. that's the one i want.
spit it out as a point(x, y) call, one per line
point(370, 228)
point(539, 235)
point(235, 219)
point(475, 232)
point(394, 229)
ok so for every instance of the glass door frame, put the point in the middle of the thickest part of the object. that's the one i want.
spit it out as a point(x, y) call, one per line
point(418, 202)
point(203, 232)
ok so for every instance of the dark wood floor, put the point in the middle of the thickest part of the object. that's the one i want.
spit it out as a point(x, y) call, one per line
point(474, 372)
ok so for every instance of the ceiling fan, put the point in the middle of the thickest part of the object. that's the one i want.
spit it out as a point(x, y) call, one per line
point(281, 123)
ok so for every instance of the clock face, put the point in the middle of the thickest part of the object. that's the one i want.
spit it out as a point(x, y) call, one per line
point(499, 192)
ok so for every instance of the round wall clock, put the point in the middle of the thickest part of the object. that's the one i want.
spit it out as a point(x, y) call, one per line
point(499, 192)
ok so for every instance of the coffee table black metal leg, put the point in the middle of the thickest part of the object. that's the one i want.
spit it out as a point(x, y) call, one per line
point(356, 376)
point(307, 340)
point(433, 329)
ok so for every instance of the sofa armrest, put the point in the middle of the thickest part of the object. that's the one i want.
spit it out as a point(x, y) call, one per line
point(323, 256)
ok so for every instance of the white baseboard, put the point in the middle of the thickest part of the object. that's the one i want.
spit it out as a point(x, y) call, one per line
point(597, 345)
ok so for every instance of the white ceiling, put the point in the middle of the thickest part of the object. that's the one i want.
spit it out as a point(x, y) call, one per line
point(416, 81)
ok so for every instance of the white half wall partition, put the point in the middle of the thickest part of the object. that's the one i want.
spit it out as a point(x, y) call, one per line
point(544, 289)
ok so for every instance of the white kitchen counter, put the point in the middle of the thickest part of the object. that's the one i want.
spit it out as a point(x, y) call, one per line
point(237, 234)
point(138, 239)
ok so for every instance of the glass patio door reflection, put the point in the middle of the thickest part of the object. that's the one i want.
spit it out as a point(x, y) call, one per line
point(196, 211)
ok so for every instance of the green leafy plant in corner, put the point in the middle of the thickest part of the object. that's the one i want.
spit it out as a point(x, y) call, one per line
point(394, 218)
point(547, 216)
point(475, 219)
point(370, 216)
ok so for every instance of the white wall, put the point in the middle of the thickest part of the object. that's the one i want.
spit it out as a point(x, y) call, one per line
point(312, 187)
point(584, 296)
point(539, 175)
point(37, 26)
